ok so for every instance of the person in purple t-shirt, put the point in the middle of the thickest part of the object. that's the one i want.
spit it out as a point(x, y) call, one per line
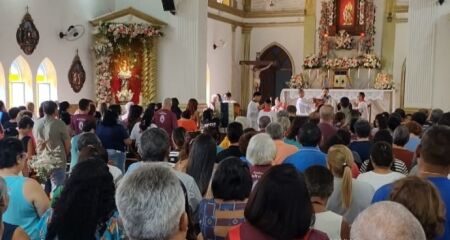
point(165, 118)
point(83, 116)
point(326, 123)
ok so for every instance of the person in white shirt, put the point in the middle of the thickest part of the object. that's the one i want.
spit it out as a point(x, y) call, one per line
point(363, 107)
point(382, 159)
point(267, 111)
point(303, 105)
point(319, 181)
point(253, 110)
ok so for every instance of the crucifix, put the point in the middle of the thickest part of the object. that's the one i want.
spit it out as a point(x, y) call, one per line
point(258, 67)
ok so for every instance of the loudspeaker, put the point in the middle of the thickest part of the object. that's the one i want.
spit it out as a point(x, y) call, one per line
point(169, 5)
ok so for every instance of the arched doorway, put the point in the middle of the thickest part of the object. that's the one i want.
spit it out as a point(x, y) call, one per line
point(274, 79)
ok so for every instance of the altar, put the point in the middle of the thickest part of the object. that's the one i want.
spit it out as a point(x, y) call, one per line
point(380, 100)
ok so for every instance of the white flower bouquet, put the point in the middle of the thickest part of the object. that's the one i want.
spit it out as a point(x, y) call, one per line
point(384, 81)
point(125, 95)
point(45, 162)
point(371, 61)
point(343, 40)
point(298, 81)
point(311, 62)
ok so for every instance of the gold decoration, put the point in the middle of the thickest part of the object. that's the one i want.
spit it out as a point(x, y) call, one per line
point(149, 73)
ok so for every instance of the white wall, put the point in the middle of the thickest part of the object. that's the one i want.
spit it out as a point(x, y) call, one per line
point(291, 38)
point(278, 5)
point(51, 17)
point(182, 51)
point(400, 53)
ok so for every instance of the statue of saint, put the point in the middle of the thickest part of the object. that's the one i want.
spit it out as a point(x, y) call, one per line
point(348, 14)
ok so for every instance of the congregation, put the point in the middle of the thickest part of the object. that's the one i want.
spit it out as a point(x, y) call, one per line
point(316, 170)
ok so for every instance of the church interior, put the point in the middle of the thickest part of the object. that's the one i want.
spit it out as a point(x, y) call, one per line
point(357, 87)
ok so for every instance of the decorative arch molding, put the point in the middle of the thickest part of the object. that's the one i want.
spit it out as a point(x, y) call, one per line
point(48, 77)
point(24, 76)
point(284, 49)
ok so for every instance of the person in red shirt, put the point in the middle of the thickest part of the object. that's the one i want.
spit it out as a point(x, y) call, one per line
point(165, 118)
point(83, 116)
point(186, 122)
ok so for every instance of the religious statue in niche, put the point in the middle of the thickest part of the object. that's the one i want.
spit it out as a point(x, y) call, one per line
point(347, 14)
point(77, 75)
point(27, 35)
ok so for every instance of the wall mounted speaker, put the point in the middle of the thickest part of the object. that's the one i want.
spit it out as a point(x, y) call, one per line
point(169, 6)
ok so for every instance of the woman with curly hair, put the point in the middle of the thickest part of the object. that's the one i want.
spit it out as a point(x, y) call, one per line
point(86, 208)
point(192, 107)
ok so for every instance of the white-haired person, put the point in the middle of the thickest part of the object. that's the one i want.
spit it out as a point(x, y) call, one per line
point(9, 231)
point(387, 221)
point(284, 150)
point(152, 203)
point(261, 151)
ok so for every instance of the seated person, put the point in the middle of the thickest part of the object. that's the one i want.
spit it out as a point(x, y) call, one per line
point(186, 122)
point(261, 152)
point(401, 138)
point(234, 132)
point(319, 181)
point(231, 186)
point(362, 144)
point(284, 150)
point(10, 232)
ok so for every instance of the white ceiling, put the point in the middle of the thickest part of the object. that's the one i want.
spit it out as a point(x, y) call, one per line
point(278, 5)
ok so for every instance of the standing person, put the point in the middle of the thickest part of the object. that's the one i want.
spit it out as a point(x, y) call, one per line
point(303, 105)
point(253, 110)
point(165, 118)
point(141, 126)
point(186, 122)
point(192, 107)
point(30, 107)
point(78, 120)
point(114, 138)
point(363, 107)
point(11, 125)
point(326, 126)
point(134, 116)
point(51, 133)
point(175, 107)
point(3, 113)
point(267, 111)
point(25, 130)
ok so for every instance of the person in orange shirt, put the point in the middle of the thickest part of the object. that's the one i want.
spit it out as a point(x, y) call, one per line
point(186, 122)
point(284, 150)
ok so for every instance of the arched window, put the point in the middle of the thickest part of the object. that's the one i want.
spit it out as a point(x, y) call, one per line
point(20, 83)
point(2, 85)
point(46, 88)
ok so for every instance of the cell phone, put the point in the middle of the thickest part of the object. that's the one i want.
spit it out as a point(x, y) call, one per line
point(174, 157)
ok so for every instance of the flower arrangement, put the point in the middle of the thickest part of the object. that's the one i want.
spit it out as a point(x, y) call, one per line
point(298, 81)
point(371, 61)
point(370, 11)
point(343, 40)
point(326, 20)
point(384, 81)
point(311, 62)
point(125, 95)
point(342, 63)
point(45, 162)
point(129, 31)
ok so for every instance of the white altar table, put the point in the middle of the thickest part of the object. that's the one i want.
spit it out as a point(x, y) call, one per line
point(381, 100)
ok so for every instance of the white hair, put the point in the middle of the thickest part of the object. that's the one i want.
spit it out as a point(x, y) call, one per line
point(261, 149)
point(275, 130)
point(151, 202)
point(167, 103)
point(387, 221)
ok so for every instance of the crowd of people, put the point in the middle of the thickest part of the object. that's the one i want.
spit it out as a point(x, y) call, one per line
point(314, 170)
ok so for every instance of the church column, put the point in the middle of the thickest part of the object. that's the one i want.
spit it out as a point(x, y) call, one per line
point(388, 39)
point(245, 69)
point(420, 71)
point(235, 67)
point(247, 5)
point(309, 28)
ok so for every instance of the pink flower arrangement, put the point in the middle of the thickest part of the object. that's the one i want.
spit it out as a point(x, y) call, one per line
point(342, 63)
point(129, 31)
point(384, 81)
point(311, 62)
point(371, 61)
point(298, 81)
point(343, 40)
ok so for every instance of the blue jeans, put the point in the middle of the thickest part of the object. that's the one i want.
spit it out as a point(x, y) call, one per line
point(118, 158)
point(57, 178)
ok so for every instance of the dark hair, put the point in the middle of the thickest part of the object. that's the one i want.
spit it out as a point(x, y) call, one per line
point(264, 121)
point(186, 114)
point(268, 101)
point(245, 140)
point(134, 116)
point(86, 203)
point(297, 123)
point(257, 94)
point(88, 139)
point(291, 109)
point(65, 117)
point(232, 180)
point(435, 146)
point(13, 112)
point(25, 122)
point(2, 106)
point(400, 112)
point(383, 136)
point(90, 151)
point(319, 181)
point(49, 107)
point(155, 145)
point(110, 119)
point(64, 106)
point(83, 104)
point(362, 94)
point(280, 204)
point(381, 122)
point(228, 94)
point(309, 135)
point(148, 117)
point(202, 157)
point(89, 126)
point(117, 109)
point(445, 119)
point(362, 128)
point(381, 154)
point(179, 136)
point(10, 149)
point(341, 137)
point(234, 132)
point(192, 106)
point(22, 108)
point(339, 116)
point(394, 121)
point(345, 102)
point(213, 132)
point(158, 106)
point(175, 103)
point(353, 120)
point(419, 117)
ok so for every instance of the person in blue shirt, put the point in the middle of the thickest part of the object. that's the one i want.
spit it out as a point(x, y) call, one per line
point(433, 165)
point(310, 154)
